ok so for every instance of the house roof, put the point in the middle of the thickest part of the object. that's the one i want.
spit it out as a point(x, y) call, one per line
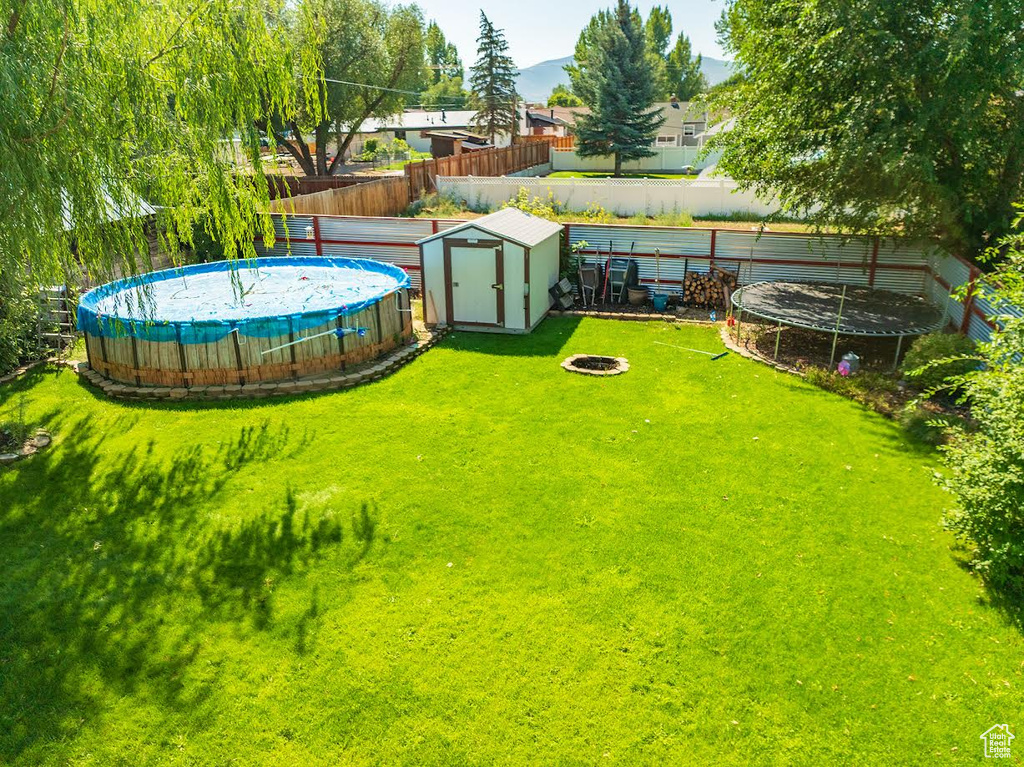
point(418, 120)
point(558, 115)
point(463, 135)
point(133, 207)
point(687, 112)
point(509, 224)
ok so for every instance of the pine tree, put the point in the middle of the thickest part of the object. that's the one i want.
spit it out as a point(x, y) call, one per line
point(683, 75)
point(494, 84)
point(619, 76)
point(584, 52)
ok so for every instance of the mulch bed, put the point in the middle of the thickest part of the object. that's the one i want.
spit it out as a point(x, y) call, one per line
point(801, 349)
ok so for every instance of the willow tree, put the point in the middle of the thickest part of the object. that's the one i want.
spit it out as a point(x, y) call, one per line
point(106, 105)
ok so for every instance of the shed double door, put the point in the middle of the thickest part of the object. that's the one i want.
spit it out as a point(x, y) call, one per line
point(474, 279)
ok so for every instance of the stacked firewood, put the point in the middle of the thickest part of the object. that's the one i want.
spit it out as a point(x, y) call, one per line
point(710, 290)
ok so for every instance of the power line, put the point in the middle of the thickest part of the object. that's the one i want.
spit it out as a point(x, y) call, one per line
point(376, 87)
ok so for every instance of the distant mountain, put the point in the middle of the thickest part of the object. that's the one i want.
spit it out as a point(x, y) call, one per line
point(537, 82)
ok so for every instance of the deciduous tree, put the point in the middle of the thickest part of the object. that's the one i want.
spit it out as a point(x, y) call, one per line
point(371, 56)
point(683, 76)
point(105, 104)
point(892, 118)
point(443, 75)
point(561, 96)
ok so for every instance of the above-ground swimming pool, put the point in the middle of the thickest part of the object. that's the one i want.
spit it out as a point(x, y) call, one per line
point(264, 319)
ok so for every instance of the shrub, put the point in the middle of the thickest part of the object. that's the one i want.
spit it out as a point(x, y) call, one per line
point(673, 218)
point(934, 358)
point(925, 426)
point(18, 314)
point(985, 467)
point(437, 206)
point(553, 210)
point(14, 431)
point(985, 476)
point(204, 247)
point(874, 390)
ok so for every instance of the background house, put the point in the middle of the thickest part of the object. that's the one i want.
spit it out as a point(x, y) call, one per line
point(684, 124)
point(453, 142)
point(416, 127)
point(552, 121)
point(411, 127)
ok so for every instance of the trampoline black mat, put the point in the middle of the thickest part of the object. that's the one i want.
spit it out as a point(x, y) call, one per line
point(816, 306)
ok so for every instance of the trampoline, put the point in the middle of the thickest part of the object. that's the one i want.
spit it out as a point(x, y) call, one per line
point(838, 309)
point(265, 319)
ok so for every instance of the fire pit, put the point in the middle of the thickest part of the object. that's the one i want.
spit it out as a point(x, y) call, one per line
point(596, 365)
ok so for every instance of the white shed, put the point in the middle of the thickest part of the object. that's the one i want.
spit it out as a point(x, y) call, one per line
point(492, 274)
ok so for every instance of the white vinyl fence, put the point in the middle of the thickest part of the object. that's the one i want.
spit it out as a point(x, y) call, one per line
point(666, 158)
point(899, 265)
point(622, 196)
point(536, 170)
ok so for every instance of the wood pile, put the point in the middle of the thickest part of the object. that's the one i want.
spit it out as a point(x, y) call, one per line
point(709, 290)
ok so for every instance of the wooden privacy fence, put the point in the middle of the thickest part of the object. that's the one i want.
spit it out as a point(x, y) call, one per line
point(391, 195)
point(293, 186)
point(555, 142)
point(380, 197)
point(422, 176)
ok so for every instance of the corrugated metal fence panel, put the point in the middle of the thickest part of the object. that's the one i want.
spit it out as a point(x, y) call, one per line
point(766, 255)
point(402, 230)
point(292, 226)
point(782, 256)
point(644, 239)
point(978, 329)
point(283, 247)
point(681, 250)
point(900, 252)
point(994, 308)
point(902, 267)
point(953, 272)
point(797, 247)
point(392, 240)
point(407, 258)
point(893, 258)
point(902, 280)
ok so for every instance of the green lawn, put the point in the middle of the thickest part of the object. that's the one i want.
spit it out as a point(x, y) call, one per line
point(582, 174)
point(696, 562)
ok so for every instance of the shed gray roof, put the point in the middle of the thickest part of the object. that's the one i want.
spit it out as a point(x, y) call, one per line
point(509, 224)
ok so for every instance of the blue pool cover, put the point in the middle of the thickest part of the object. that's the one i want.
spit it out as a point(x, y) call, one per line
point(261, 297)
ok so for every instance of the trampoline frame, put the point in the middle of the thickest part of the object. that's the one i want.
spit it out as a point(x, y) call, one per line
point(736, 301)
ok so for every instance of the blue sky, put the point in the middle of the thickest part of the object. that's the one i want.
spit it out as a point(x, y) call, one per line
point(538, 30)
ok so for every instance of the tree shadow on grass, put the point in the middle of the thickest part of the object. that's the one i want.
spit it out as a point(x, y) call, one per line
point(1004, 600)
point(113, 564)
